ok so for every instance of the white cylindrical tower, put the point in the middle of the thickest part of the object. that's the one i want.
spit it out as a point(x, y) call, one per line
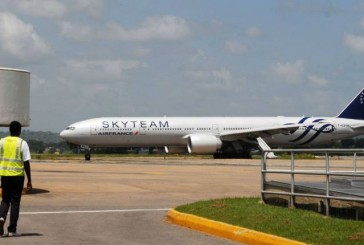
point(14, 96)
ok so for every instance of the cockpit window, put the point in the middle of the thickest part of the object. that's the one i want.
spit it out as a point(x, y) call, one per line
point(70, 128)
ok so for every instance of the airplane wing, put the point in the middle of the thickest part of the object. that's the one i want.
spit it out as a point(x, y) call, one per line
point(259, 132)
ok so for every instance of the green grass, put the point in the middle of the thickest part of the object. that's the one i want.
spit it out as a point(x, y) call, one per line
point(300, 225)
point(57, 157)
point(296, 156)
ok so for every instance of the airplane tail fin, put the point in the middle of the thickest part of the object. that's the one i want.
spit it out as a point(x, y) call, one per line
point(355, 110)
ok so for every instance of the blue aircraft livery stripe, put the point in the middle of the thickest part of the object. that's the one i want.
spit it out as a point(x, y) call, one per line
point(318, 132)
point(303, 120)
point(300, 122)
point(308, 129)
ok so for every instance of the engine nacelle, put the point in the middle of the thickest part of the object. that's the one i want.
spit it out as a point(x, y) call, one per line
point(203, 144)
point(175, 150)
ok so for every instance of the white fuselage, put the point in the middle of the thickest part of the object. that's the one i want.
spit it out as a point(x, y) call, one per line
point(174, 131)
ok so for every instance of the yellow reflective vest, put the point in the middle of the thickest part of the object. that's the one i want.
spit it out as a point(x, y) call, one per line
point(11, 162)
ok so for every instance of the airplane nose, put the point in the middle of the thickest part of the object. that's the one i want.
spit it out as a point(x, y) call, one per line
point(63, 134)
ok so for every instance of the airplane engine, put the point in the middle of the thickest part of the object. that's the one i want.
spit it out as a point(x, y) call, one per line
point(175, 150)
point(203, 144)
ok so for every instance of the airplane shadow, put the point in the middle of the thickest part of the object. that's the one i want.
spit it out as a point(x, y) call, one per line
point(34, 191)
point(25, 234)
point(31, 234)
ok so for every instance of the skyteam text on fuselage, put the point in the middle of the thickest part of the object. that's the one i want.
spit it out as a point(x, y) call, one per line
point(208, 135)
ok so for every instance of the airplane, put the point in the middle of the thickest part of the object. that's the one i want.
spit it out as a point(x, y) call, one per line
point(216, 135)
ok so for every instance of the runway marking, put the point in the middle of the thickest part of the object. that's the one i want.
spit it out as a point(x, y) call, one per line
point(97, 211)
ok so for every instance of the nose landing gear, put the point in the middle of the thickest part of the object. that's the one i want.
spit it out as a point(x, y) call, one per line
point(87, 151)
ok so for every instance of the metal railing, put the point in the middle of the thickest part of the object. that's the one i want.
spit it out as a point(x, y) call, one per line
point(327, 172)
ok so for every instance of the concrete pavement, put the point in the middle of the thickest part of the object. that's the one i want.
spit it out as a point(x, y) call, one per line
point(125, 200)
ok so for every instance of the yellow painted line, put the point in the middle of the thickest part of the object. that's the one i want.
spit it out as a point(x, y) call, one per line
point(235, 233)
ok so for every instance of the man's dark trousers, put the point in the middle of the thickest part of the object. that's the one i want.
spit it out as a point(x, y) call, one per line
point(12, 187)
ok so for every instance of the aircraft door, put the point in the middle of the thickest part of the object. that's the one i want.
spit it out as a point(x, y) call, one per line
point(93, 129)
point(215, 129)
point(142, 130)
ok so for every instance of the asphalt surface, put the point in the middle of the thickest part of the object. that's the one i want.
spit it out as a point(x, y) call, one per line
point(125, 200)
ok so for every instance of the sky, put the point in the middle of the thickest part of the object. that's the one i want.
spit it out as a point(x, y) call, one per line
point(95, 58)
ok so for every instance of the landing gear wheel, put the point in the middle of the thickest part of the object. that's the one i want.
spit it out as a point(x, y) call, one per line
point(88, 156)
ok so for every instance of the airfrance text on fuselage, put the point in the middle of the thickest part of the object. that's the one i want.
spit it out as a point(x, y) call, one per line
point(134, 124)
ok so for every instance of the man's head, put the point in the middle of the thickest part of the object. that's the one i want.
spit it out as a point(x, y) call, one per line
point(15, 128)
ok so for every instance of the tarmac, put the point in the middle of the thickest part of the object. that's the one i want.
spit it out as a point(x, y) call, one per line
point(126, 200)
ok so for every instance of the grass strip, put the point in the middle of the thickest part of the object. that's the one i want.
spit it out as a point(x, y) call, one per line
point(300, 225)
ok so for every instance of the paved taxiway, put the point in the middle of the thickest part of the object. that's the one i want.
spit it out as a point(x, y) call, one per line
point(125, 200)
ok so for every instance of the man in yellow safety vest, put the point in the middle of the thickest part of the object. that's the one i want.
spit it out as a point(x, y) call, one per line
point(14, 161)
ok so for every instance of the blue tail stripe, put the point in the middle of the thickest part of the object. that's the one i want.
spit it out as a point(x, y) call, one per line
point(355, 110)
